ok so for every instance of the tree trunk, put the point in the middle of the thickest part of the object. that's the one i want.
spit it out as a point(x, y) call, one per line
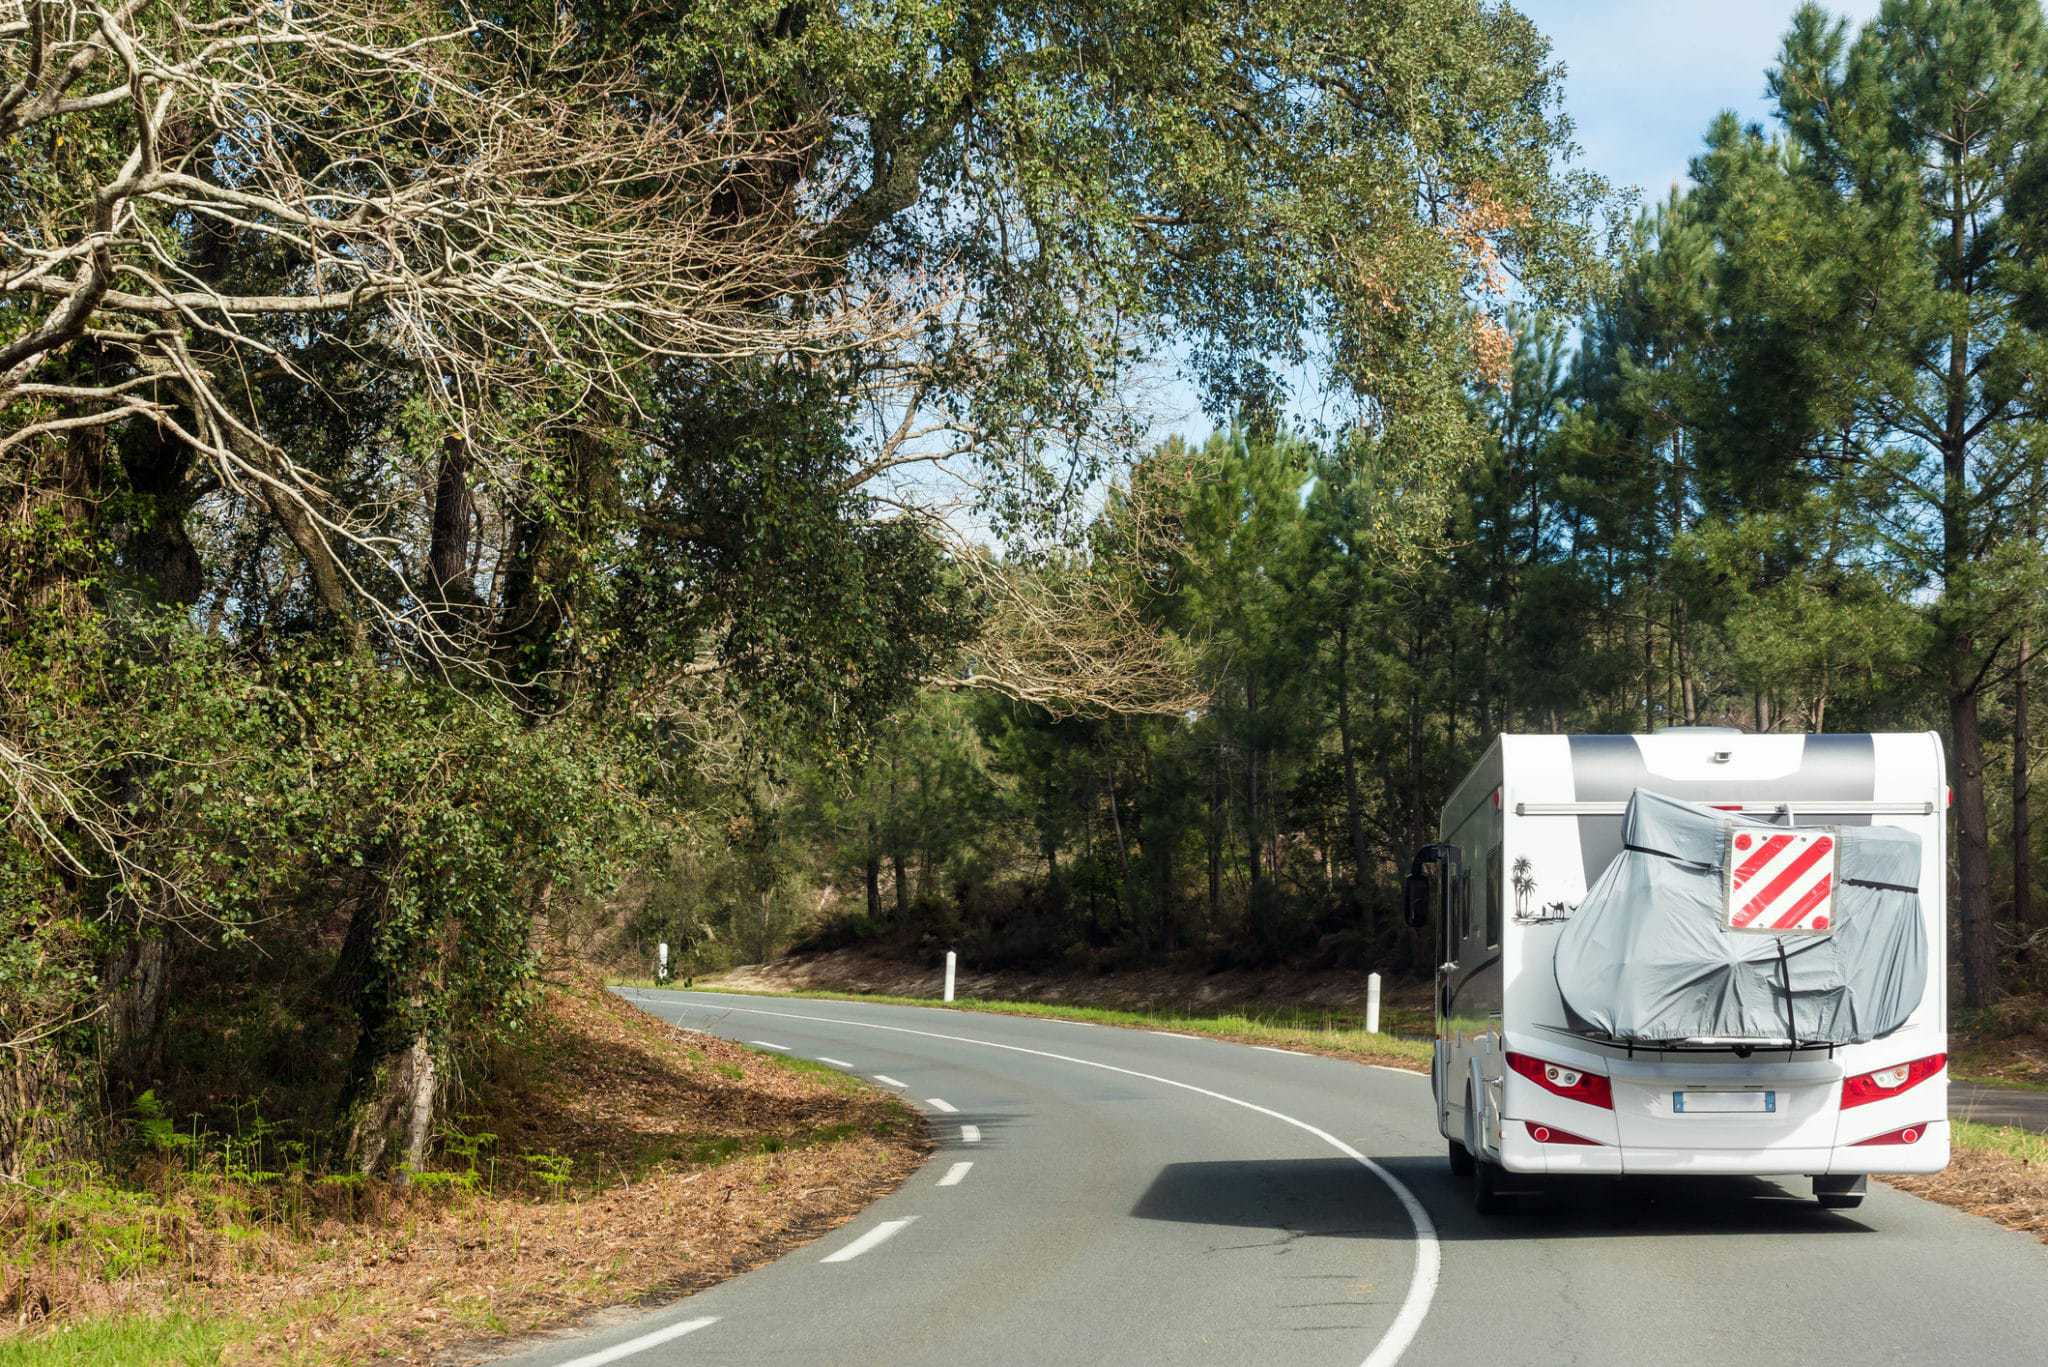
point(1216, 833)
point(1251, 782)
point(136, 1001)
point(1417, 833)
point(1123, 856)
point(896, 861)
point(1979, 946)
point(2022, 814)
point(394, 1079)
point(1353, 821)
point(448, 588)
point(874, 873)
point(1978, 943)
point(2022, 739)
point(392, 1121)
point(157, 548)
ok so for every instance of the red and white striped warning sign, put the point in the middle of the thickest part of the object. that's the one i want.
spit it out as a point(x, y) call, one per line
point(1782, 881)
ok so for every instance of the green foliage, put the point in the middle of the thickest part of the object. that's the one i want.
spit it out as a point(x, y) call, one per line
point(551, 1170)
point(158, 1131)
point(171, 1340)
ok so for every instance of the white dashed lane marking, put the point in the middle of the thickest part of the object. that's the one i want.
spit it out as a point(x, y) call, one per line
point(954, 1174)
point(1422, 1281)
point(880, 1234)
point(641, 1344)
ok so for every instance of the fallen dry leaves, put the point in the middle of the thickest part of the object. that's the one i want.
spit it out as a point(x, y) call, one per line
point(1987, 1182)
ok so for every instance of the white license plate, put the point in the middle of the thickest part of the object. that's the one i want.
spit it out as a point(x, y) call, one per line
point(1724, 1103)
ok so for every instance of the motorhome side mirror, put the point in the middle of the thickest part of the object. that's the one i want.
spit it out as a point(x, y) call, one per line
point(1415, 900)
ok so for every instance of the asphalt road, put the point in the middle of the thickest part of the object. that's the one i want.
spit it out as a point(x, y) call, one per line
point(1138, 1198)
point(1999, 1106)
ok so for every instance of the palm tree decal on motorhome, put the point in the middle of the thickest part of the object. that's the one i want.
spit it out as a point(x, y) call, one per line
point(1524, 884)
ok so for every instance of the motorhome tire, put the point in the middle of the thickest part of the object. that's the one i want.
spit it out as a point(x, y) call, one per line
point(1840, 1193)
point(1461, 1159)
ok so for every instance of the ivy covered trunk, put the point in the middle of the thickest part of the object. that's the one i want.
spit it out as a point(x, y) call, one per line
point(137, 981)
point(394, 1077)
point(391, 1118)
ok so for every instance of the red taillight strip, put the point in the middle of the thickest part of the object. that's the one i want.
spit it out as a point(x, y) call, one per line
point(1863, 1089)
point(1592, 1088)
point(1905, 1134)
point(1550, 1134)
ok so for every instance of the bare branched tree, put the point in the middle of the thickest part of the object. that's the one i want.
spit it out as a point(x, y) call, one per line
point(1074, 639)
point(385, 180)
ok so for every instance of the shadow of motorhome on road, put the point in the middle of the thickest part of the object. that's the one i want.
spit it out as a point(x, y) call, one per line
point(1338, 1198)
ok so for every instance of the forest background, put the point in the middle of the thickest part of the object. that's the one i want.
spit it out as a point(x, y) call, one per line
point(596, 476)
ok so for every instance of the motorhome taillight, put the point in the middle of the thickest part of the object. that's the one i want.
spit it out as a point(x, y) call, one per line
point(1886, 1083)
point(1572, 1083)
point(1550, 1134)
point(1908, 1134)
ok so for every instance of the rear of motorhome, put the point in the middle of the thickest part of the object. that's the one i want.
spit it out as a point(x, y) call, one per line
point(1758, 985)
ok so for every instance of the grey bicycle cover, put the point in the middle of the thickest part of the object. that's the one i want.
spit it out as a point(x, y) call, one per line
point(1653, 954)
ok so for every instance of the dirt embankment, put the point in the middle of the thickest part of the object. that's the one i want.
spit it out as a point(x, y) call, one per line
point(1337, 993)
point(610, 1159)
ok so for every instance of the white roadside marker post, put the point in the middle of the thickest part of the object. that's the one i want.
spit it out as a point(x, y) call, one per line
point(951, 960)
point(661, 962)
point(1372, 1004)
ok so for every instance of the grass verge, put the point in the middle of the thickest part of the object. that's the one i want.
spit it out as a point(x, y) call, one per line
point(133, 1340)
point(1305, 1029)
point(607, 1159)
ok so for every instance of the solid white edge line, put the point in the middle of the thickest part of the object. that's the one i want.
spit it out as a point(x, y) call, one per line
point(779, 1048)
point(641, 1344)
point(1274, 1049)
point(940, 1104)
point(886, 1080)
point(1172, 1034)
point(970, 1134)
point(881, 1233)
point(954, 1174)
point(835, 1062)
point(1428, 1255)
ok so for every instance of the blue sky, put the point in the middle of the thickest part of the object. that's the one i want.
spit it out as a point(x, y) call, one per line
point(1643, 77)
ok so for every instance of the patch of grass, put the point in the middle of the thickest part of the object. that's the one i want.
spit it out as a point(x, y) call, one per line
point(1310, 1030)
point(713, 1149)
point(174, 1340)
point(1965, 1069)
point(818, 1072)
point(2009, 1140)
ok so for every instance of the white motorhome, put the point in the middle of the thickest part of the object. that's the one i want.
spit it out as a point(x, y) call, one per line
point(1523, 1087)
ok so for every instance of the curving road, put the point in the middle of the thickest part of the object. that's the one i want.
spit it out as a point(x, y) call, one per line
point(1102, 1195)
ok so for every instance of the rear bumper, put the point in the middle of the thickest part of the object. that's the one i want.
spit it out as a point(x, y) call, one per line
point(1520, 1153)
